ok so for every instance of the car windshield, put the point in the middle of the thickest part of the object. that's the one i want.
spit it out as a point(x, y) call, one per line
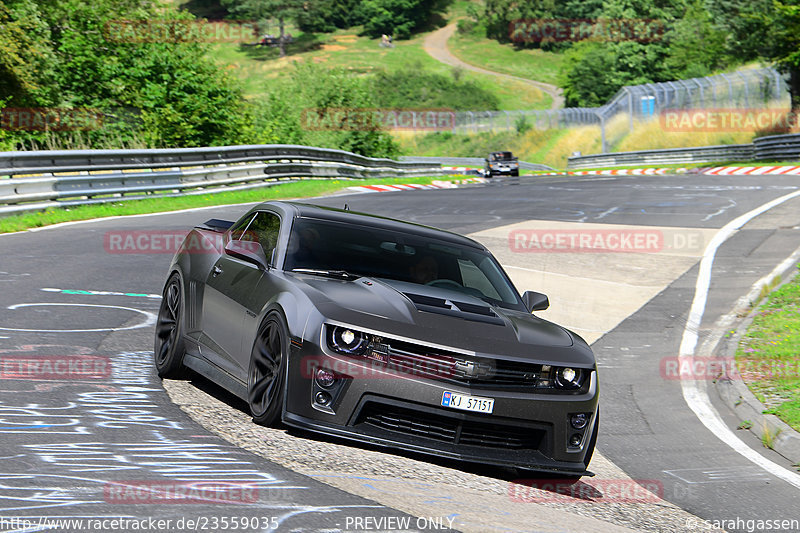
point(335, 247)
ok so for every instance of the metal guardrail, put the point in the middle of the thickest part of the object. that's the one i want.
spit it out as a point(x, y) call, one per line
point(31, 181)
point(772, 148)
point(778, 147)
point(704, 154)
point(471, 161)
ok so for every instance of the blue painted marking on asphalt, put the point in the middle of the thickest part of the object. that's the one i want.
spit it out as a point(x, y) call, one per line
point(28, 427)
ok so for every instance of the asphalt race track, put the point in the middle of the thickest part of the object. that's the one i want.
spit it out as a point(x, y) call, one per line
point(68, 294)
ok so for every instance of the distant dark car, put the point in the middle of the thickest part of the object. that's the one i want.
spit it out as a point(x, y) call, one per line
point(501, 163)
point(386, 332)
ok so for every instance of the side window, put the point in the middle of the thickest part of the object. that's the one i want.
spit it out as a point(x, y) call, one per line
point(240, 227)
point(264, 229)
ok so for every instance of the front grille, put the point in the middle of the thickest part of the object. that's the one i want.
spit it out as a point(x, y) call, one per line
point(457, 368)
point(449, 430)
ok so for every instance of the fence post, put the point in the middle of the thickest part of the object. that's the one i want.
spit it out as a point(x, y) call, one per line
point(603, 142)
point(730, 89)
point(630, 112)
point(746, 89)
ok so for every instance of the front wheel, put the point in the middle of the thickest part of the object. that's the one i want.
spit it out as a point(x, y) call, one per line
point(266, 375)
point(169, 348)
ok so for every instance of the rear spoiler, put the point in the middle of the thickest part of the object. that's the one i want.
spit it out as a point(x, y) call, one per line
point(215, 224)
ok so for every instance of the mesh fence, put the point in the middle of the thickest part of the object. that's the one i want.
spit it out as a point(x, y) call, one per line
point(758, 87)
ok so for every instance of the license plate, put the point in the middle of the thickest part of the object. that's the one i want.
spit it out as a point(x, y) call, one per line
point(465, 402)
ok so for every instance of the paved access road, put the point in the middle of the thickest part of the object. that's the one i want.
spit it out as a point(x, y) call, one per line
point(68, 294)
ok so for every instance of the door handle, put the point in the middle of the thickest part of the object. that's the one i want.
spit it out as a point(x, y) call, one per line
point(216, 271)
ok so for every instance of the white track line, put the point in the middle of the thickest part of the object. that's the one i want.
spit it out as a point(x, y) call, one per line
point(696, 397)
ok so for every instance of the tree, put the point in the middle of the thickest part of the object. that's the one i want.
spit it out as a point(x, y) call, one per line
point(26, 55)
point(130, 58)
point(696, 45)
point(399, 18)
point(327, 15)
point(291, 110)
point(499, 15)
point(785, 49)
point(764, 29)
point(282, 10)
point(589, 76)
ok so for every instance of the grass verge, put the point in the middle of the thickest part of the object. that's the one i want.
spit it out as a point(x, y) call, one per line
point(531, 64)
point(258, 67)
point(299, 189)
point(768, 356)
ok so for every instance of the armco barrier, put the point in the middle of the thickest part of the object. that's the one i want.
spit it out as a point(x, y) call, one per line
point(705, 154)
point(772, 148)
point(778, 148)
point(32, 181)
point(470, 161)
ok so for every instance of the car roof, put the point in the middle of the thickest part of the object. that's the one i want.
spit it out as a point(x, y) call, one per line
point(353, 217)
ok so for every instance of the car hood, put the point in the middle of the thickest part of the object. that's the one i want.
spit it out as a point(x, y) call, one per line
point(444, 318)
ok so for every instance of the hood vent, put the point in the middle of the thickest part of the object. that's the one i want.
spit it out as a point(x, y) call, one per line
point(467, 311)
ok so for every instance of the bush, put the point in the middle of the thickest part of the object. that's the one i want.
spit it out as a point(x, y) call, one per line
point(287, 114)
point(412, 88)
point(522, 124)
point(399, 18)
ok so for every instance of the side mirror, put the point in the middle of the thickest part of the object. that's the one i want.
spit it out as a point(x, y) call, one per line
point(249, 251)
point(535, 301)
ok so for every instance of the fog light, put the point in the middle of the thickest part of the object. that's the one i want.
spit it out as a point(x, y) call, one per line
point(322, 398)
point(575, 440)
point(579, 420)
point(326, 378)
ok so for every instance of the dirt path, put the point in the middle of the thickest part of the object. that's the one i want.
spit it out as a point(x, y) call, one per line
point(436, 46)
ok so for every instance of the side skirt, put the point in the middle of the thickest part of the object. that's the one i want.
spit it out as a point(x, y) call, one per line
point(216, 375)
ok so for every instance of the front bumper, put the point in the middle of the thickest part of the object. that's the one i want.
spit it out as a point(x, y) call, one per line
point(503, 170)
point(399, 410)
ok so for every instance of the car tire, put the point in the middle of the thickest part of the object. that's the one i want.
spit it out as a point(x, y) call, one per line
point(169, 348)
point(515, 173)
point(266, 377)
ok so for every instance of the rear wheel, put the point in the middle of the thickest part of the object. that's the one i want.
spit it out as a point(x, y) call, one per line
point(169, 348)
point(266, 376)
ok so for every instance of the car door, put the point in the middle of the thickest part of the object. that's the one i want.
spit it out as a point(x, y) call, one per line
point(231, 292)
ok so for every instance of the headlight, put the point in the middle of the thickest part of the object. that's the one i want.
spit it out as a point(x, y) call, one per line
point(347, 341)
point(568, 378)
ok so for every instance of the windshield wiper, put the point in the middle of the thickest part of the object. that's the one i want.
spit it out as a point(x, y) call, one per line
point(339, 274)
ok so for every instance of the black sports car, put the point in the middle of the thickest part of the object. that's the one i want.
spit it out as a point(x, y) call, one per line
point(378, 330)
